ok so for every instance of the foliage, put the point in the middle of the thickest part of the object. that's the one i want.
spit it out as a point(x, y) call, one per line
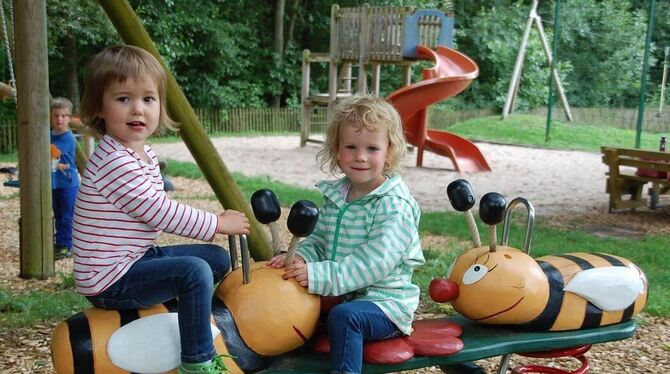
point(492, 39)
point(606, 61)
point(86, 22)
point(221, 52)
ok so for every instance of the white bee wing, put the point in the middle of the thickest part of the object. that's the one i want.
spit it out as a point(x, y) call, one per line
point(148, 345)
point(609, 288)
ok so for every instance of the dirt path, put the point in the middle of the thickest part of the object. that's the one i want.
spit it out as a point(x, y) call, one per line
point(554, 181)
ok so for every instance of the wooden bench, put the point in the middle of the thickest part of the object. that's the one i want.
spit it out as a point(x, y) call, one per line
point(622, 179)
point(480, 341)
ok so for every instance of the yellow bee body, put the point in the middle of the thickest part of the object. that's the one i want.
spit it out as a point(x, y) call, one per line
point(558, 292)
point(265, 317)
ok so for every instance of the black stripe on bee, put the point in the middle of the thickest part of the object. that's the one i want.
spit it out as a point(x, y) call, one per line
point(128, 315)
point(171, 305)
point(548, 316)
point(611, 259)
point(583, 264)
point(82, 352)
point(593, 315)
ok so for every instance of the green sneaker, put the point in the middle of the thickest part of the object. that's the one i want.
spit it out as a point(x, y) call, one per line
point(215, 366)
point(62, 252)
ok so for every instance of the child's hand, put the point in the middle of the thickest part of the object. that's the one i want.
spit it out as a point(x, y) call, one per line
point(232, 222)
point(277, 261)
point(60, 166)
point(298, 271)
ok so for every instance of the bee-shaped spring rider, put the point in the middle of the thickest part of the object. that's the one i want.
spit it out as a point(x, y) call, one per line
point(250, 319)
point(501, 285)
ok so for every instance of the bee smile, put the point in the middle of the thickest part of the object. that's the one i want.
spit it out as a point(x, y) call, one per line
point(501, 312)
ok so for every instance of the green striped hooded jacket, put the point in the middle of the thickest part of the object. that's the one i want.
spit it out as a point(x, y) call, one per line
point(367, 249)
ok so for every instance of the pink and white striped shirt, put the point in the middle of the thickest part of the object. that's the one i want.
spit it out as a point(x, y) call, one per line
point(121, 209)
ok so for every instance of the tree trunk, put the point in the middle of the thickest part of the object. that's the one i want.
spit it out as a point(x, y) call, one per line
point(291, 23)
point(32, 122)
point(280, 5)
point(71, 72)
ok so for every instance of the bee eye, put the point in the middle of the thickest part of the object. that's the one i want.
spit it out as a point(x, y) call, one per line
point(475, 273)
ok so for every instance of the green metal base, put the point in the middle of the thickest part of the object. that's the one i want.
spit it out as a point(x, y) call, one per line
point(480, 341)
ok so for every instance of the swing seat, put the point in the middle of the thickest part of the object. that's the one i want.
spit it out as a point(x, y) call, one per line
point(6, 91)
point(12, 183)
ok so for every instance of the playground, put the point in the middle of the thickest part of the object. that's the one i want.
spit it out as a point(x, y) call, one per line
point(282, 159)
point(585, 284)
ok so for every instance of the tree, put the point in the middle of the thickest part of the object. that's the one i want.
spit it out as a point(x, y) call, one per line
point(279, 42)
point(607, 61)
point(76, 29)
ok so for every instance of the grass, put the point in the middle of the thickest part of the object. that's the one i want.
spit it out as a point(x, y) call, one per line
point(9, 157)
point(287, 194)
point(530, 130)
point(43, 306)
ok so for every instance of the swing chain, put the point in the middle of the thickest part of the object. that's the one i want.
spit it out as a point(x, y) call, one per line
point(12, 82)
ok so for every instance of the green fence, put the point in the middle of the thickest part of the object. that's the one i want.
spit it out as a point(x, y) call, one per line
point(223, 121)
point(240, 120)
point(623, 118)
point(8, 138)
point(287, 120)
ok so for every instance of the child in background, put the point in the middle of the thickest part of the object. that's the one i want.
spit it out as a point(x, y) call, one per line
point(122, 208)
point(64, 175)
point(366, 244)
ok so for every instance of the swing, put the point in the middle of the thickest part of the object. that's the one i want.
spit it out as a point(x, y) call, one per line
point(8, 90)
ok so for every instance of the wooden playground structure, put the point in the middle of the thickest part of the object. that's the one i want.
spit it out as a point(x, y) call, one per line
point(365, 38)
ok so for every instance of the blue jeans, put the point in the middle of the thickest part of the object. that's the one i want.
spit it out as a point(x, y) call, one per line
point(63, 200)
point(187, 272)
point(351, 323)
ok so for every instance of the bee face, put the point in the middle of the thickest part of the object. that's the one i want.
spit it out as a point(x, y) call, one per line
point(502, 287)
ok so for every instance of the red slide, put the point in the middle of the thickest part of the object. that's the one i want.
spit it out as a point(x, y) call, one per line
point(451, 74)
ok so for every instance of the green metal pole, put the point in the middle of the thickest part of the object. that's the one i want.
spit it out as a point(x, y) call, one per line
point(554, 49)
point(645, 70)
point(131, 30)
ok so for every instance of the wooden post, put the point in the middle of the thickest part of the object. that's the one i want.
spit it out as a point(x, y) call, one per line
point(334, 59)
point(305, 107)
point(516, 74)
point(32, 116)
point(554, 73)
point(533, 18)
point(132, 32)
point(376, 76)
point(364, 48)
point(406, 74)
